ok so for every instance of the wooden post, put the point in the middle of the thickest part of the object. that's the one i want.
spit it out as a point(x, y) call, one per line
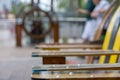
point(52, 3)
point(32, 3)
point(56, 32)
point(90, 59)
point(54, 60)
point(18, 35)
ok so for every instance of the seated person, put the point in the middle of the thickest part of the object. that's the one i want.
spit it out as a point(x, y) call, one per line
point(97, 15)
point(101, 7)
point(87, 11)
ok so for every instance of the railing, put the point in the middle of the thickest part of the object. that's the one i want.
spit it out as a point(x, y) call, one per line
point(71, 25)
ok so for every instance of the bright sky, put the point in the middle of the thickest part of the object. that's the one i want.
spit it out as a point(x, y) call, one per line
point(45, 4)
point(5, 2)
point(43, 1)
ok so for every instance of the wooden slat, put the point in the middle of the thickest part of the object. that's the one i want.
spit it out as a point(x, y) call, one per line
point(68, 46)
point(75, 67)
point(76, 51)
point(79, 76)
point(62, 54)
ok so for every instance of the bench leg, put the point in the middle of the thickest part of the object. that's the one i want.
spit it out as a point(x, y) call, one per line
point(90, 59)
point(54, 60)
point(18, 35)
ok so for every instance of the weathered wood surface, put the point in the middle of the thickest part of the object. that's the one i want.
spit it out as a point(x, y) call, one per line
point(76, 50)
point(65, 46)
point(76, 53)
point(77, 76)
point(76, 67)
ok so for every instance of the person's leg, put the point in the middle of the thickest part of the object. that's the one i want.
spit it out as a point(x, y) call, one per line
point(94, 27)
point(86, 31)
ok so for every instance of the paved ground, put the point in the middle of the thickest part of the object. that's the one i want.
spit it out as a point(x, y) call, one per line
point(16, 63)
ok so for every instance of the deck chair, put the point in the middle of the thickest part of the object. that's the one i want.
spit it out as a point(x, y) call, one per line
point(78, 68)
point(110, 35)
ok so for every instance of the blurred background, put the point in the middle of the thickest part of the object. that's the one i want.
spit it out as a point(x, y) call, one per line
point(19, 18)
point(71, 24)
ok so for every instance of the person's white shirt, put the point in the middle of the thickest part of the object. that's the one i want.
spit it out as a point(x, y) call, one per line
point(104, 4)
point(92, 25)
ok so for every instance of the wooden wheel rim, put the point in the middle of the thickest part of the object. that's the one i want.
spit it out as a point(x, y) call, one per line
point(32, 35)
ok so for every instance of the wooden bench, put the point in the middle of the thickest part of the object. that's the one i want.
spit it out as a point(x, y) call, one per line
point(65, 46)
